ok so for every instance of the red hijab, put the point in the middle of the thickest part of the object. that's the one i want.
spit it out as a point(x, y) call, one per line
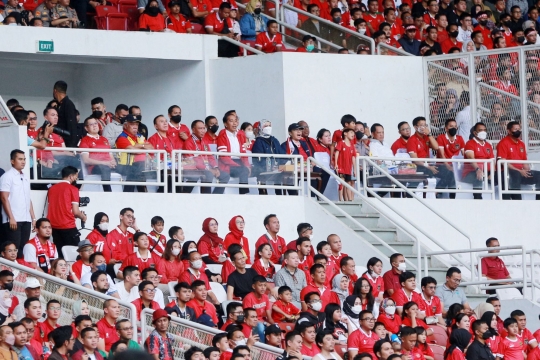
point(208, 236)
point(237, 233)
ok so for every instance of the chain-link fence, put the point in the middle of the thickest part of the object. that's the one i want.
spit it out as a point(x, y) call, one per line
point(187, 334)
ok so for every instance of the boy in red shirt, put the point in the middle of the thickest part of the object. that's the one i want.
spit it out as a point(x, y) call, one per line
point(142, 258)
point(221, 342)
point(258, 300)
point(158, 241)
point(270, 41)
point(283, 309)
point(344, 158)
point(512, 347)
point(408, 343)
point(406, 293)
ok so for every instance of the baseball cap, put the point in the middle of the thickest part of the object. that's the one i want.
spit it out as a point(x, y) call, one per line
point(410, 28)
point(31, 283)
point(173, 3)
point(133, 118)
point(295, 126)
point(206, 320)
point(272, 329)
point(84, 243)
point(158, 314)
point(528, 24)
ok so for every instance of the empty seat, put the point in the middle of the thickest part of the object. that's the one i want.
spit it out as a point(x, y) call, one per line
point(439, 337)
point(109, 18)
point(199, 29)
point(508, 294)
point(70, 253)
point(219, 291)
point(438, 352)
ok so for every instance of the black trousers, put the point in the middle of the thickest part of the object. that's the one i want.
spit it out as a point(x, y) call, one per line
point(133, 172)
point(241, 172)
point(82, 7)
point(515, 180)
point(19, 237)
point(445, 176)
point(65, 237)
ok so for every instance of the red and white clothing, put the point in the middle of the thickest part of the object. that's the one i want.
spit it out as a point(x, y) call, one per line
point(107, 332)
point(415, 353)
point(392, 323)
point(63, 195)
point(98, 240)
point(209, 139)
point(310, 351)
point(80, 269)
point(325, 293)
point(190, 276)
point(201, 5)
point(261, 305)
point(267, 271)
point(408, 322)
point(481, 151)
point(173, 133)
point(162, 143)
point(180, 25)
point(120, 244)
point(450, 148)
point(277, 244)
point(400, 297)
point(96, 142)
point(512, 349)
point(214, 22)
point(151, 260)
point(374, 20)
point(418, 144)
point(170, 270)
point(217, 3)
point(506, 86)
point(347, 154)
point(432, 307)
point(511, 148)
point(447, 44)
point(157, 243)
point(231, 143)
point(305, 265)
point(202, 162)
point(139, 306)
point(287, 308)
point(361, 341)
point(203, 308)
point(494, 344)
point(457, 354)
point(400, 143)
point(40, 254)
point(337, 260)
point(377, 283)
point(269, 44)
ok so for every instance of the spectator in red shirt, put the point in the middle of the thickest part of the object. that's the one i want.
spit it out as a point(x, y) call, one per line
point(210, 245)
point(450, 145)
point(160, 140)
point(459, 341)
point(451, 41)
point(308, 333)
point(176, 131)
point(258, 300)
point(308, 44)
point(478, 148)
point(212, 128)
point(344, 158)
point(199, 302)
point(391, 277)
point(493, 268)
point(99, 163)
point(142, 258)
point(171, 267)
point(408, 343)
point(271, 223)
point(270, 41)
point(236, 235)
point(147, 292)
point(220, 23)
point(176, 21)
point(151, 19)
point(400, 145)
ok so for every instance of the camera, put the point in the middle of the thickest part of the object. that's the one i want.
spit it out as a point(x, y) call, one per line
point(56, 130)
point(84, 201)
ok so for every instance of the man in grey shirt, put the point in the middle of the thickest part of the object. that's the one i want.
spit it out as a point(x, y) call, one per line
point(449, 293)
point(290, 276)
point(115, 128)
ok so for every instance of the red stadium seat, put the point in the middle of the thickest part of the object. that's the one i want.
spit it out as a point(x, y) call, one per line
point(439, 337)
point(197, 29)
point(129, 7)
point(108, 18)
point(31, 5)
point(438, 351)
point(287, 327)
point(341, 350)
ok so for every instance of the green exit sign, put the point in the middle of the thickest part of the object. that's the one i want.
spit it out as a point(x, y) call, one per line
point(44, 46)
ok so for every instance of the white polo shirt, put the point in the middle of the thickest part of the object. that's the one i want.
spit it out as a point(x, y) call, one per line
point(235, 144)
point(18, 187)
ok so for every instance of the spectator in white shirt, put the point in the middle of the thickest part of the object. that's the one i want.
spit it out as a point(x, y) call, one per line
point(465, 30)
point(377, 145)
point(150, 274)
point(18, 217)
point(128, 289)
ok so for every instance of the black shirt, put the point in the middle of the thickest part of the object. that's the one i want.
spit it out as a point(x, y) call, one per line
point(436, 46)
point(242, 283)
point(479, 351)
point(67, 120)
point(316, 320)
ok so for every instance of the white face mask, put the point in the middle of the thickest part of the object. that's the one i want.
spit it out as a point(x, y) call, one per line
point(356, 309)
point(390, 310)
point(311, 237)
point(362, 31)
point(482, 135)
point(175, 252)
point(267, 130)
point(197, 264)
point(250, 134)
point(191, 250)
point(240, 342)
point(316, 306)
point(103, 226)
point(402, 267)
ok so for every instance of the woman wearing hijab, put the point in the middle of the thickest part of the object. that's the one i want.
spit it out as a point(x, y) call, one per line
point(459, 340)
point(210, 245)
point(352, 308)
point(493, 342)
point(340, 289)
point(236, 236)
point(333, 322)
point(479, 311)
point(151, 19)
point(253, 21)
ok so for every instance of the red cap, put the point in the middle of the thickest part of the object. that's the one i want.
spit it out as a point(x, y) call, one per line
point(158, 314)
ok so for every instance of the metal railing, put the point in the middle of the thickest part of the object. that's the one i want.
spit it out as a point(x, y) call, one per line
point(187, 334)
point(66, 293)
point(385, 49)
point(245, 47)
point(503, 176)
point(534, 284)
point(383, 212)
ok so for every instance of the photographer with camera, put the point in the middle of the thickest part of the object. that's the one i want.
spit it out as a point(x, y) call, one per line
point(63, 209)
point(67, 114)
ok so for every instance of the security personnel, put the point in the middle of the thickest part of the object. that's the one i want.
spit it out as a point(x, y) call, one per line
point(47, 12)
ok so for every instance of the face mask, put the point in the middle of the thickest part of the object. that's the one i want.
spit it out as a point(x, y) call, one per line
point(122, 119)
point(102, 267)
point(214, 128)
point(402, 267)
point(249, 134)
point(507, 23)
point(406, 137)
point(267, 130)
point(103, 226)
point(356, 309)
point(359, 135)
point(240, 319)
point(516, 133)
point(240, 342)
point(362, 31)
point(452, 132)
point(482, 135)
point(257, 11)
point(8, 286)
point(10, 339)
point(197, 264)
point(176, 118)
point(482, 22)
point(316, 306)
point(453, 34)
point(175, 252)
point(310, 47)
point(191, 250)
point(8, 302)
point(486, 335)
point(390, 310)
point(153, 11)
point(520, 39)
point(97, 114)
point(337, 20)
point(13, 24)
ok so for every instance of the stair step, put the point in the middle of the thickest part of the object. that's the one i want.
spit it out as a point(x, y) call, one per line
point(387, 235)
point(351, 208)
point(404, 248)
point(368, 220)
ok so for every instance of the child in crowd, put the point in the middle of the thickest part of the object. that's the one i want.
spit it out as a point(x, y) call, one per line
point(157, 239)
point(258, 300)
point(283, 310)
point(344, 157)
point(422, 343)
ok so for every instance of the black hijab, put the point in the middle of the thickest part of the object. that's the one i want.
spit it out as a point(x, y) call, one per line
point(348, 304)
point(459, 338)
point(487, 317)
point(97, 221)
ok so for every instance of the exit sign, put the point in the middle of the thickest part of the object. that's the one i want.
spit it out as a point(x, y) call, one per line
point(44, 46)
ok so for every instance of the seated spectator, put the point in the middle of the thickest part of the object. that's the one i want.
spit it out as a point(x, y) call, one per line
point(90, 341)
point(496, 303)
point(207, 163)
point(524, 333)
point(100, 114)
point(264, 266)
point(271, 223)
point(151, 19)
point(210, 245)
point(194, 271)
point(132, 165)
point(124, 329)
point(9, 252)
point(82, 266)
point(304, 250)
point(98, 235)
point(270, 41)
point(160, 342)
point(63, 341)
point(449, 292)
point(258, 300)
point(452, 314)
point(176, 21)
point(304, 230)
point(46, 12)
point(128, 290)
point(430, 306)
point(374, 277)
point(406, 293)
point(377, 146)
point(253, 22)
point(493, 268)
point(115, 127)
point(335, 324)
point(363, 289)
point(199, 303)
point(340, 289)
point(391, 321)
point(348, 267)
point(214, 24)
point(459, 341)
point(478, 148)
point(120, 240)
point(410, 317)
point(80, 323)
point(97, 264)
point(409, 339)
point(451, 41)
point(289, 275)
point(147, 292)
point(430, 42)
point(408, 42)
point(265, 143)
point(152, 275)
point(170, 266)
point(53, 312)
point(231, 140)
point(21, 346)
point(326, 342)
point(308, 334)
point(363, 339)
point(313, 313)
point(143, 258)
point(178, 307)
point(240, 282)
point(60, 269)
point(400, 145)
point(40, 251)
point(177, 132)
point(495, 339)
point(235, 315)
point(236, 236)
point(317, 284)
point(283, 310)
point(221, 343)
point(308, 44)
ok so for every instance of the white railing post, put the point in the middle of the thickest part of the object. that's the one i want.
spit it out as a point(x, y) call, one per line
point(523, 95)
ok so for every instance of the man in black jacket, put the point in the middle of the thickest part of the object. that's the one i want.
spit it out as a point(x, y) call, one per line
point(479, 350)
point(67, 114)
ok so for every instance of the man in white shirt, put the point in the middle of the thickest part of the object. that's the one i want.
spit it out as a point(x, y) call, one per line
point(151, 274)
point(465, 30)
point(97, 262)
point(377, 146)
point(18, 217)
point(128, 289)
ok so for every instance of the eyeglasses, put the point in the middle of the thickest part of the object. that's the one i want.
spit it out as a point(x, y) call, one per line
point(431, 287)
point(32, 118)
point(150, 291)
point(457, 280)
point(30, 331)
point(89, 250)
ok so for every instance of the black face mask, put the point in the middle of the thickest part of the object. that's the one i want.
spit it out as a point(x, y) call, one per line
point(482, 22)
point(214, 128)
point(486, 335)
point(452, 132)
point(520, 39)
point(97, 114)
point(240, 319)
point(153, 11)
point(516, 133)
point(405, 137)
point(122, 119)
point(176, 118)
point(507, 23)
point(453, 34)
point(257, 11)
point(8, 286)
point(359, 135)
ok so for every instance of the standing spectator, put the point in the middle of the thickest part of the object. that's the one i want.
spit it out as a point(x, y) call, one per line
point(236, 235)
point(253, 22)
point(107, 330)
point(159, 342)
point(449, 293)
point(115, 127)
point(232, 141)
point(493, 268)
point(34, 252)
point(391, 277)
point(344, 158)
point(64, 208)
point(67, 116)
point(289, 275)
point(271, 223)
point(63, 341)
point(240, 282)
point(99, 112)
point(479, 349)
point(265, 143)
point(17, 210)
point(210, 245)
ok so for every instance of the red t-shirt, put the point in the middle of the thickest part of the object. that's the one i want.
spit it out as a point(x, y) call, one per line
point(135, 259)
point(480, 151)
point(325, 294)
point(162, 143)
point(98, 240)
point(494, 343)
point(337, 260)
point(152, 23)
point(207, 248)
point(447, 44)
point(377, 284)
point(202, 5)
point(170, 270)
point(267, 272)
point(189, 277)
point(214, 22)
point(121, 244)
point(101, 142)
point(311, 352)
point(494, 268)
point(61, 197)
point(511, 349)
point(179, 26)
point(107, 332)
point(430, 308)
point(400, 143)
point(375, 21)
point(488, 42)
point(306, 265)
point(391, 324)
point(278, 247)
point(139, 306)
point(510, 149)
point(174, 134)
point(261, 305)
point(419, 145)
point(391, 281)
point(204, 308)
point(408, 322)
point(401, 298)
point(450, 148)
point(42, 331)
point(362, 342)
point(268, 44)
point(415, 353)
point(346, 156)
point(287, 308)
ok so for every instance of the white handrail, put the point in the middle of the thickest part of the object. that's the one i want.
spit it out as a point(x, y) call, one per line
point(503, 185)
